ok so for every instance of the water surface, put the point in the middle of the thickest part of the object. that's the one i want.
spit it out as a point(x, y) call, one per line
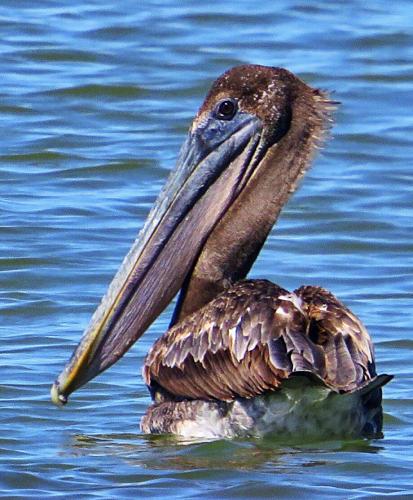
point(94, 103)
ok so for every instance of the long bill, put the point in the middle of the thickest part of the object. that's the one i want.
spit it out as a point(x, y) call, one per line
point(207, 179)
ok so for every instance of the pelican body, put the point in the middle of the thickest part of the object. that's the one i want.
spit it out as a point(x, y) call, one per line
point(241, 357)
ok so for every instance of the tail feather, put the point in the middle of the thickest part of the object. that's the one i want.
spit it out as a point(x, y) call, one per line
point(370, 385)
point(371, 397)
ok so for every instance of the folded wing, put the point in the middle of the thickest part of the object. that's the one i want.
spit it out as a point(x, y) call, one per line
point(252, 337)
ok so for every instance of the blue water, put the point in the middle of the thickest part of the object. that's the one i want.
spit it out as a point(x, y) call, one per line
point(95, 101)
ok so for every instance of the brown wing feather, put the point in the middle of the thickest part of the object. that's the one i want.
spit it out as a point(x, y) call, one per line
point(252, 337)
point(347, 347)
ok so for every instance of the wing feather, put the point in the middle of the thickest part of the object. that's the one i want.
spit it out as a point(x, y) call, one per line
point(255, 335)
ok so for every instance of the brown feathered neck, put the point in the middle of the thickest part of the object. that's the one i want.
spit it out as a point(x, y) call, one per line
point(295, 118)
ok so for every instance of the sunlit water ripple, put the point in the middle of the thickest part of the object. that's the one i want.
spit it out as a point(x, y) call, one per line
point(95, 101)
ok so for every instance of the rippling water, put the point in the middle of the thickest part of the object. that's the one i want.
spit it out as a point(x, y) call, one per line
point(95, 101)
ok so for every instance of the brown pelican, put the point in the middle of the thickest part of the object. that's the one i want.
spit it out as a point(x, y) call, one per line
point(241, 357)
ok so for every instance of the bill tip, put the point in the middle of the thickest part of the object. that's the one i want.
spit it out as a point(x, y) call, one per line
point(57, 398)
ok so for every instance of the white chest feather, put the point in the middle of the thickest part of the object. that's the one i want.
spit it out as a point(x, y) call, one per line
point(305, 413)
point(299, 411)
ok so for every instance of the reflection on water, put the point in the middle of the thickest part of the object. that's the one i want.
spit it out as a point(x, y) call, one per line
point(95, 101)
point(170, 453)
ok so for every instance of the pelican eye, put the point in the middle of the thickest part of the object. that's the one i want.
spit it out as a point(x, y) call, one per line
point(226, 109)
